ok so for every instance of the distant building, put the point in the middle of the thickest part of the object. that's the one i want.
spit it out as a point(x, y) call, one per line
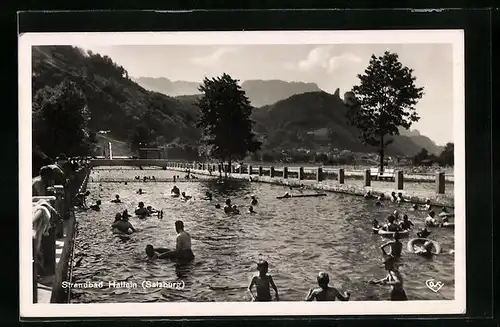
point(152, 153)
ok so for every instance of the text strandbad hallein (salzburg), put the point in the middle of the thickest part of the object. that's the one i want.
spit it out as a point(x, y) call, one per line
point(179, 285)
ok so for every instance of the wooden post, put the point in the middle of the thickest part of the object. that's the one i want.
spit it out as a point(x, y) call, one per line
point(260, 171)
point(440, 182)
point(399, 180)
point(301, 173)
point(367, 178)
point(341, 176)
point(285, 172)
point(271, 171)
point(319, 174)
point(250, 170)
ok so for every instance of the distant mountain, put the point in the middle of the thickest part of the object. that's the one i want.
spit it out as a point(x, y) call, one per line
point(259, 92)
point(422, 141)
point(313, 120)
point(262, 93)
point(168, 87)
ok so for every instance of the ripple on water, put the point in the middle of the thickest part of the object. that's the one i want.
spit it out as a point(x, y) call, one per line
point(299, 237)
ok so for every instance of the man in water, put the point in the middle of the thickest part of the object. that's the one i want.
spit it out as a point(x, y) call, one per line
point(175, 190)
point(141, 211)
point(324, 292)
point(182, 248)
point(263, 282)
point(116, 199)
point(391, 226)
point(42, 181)
point(122, 225)
point(395, 247)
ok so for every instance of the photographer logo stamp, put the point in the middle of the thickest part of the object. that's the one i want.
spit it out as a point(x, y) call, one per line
point(434, 285)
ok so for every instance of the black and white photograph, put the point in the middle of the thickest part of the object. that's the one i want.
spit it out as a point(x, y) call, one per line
point(198, 174)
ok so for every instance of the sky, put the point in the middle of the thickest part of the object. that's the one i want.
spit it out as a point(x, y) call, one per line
point(329, 66)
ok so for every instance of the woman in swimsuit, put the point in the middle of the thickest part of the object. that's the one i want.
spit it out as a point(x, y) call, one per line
point(394, 279)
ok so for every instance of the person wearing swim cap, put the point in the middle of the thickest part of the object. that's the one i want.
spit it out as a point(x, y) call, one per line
point(325, 292)
point(394, 279)
point(395, 246)
point(263, 282)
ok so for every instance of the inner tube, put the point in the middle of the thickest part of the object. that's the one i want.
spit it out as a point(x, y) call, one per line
point(436, 247)
point(300, 196)
point(382, 232)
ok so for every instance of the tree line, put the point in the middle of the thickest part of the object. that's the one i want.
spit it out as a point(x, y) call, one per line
point(383, 101)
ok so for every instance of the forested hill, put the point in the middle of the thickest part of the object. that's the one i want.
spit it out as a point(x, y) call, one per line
point(315, 119)
point(115, 102)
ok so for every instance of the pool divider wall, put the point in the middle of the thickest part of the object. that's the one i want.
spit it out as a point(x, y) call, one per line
point(440, 199)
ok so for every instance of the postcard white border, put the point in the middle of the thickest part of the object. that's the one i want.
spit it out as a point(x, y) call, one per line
point(30, 310)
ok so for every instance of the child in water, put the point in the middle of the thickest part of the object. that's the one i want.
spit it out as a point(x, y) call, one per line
point(324, 292)
point(406, 224)
point(394, 279)
point(263, 282)
point(96, 206)
point(116, 199)
point(396, 247)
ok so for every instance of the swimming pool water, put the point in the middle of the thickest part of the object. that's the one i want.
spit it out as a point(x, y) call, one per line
point(299, 237)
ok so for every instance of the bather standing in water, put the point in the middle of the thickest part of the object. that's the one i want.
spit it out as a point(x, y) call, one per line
point(394, 279)
point(395, 246)
point(182, 248)
point(141, 211)
point(122, 226)
point(324, 292)
point(263, 282)
point(116, 199)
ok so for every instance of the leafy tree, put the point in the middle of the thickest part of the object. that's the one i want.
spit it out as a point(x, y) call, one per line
point(421, 156)
point(447, 156)
point(225, 119)
point(384, 100)
point(60, 121)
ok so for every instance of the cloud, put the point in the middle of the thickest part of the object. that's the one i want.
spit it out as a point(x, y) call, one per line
point(323, 58)
point(213, 58)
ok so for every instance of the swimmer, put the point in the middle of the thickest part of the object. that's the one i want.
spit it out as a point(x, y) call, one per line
point(175, 190)
point(250, 210)
point(141, 211)
point(428, 205)
point(396, 215)
point(185, 197)
point(414, 207)
point(81, 200)
point(227, 207)
point(234, 210)
point(375, 224)
point(217, 206)
point(182, 248)
point(395, 247)
point(140, 191)
point(96, 206)
point(263, 282)
point(118, 217)
point(286, 195)
point(116, 199)
point(430, 220)
point(254, 200)
point(423, 233)
point(391, 226)
point(123, 225)
point(400, 198)
point(393, 197)
point(406, 224)
point(425, 250)
point(208, 196)
point(378, 203)
point(324, 292)
point(368, 195)
point(394, 279)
